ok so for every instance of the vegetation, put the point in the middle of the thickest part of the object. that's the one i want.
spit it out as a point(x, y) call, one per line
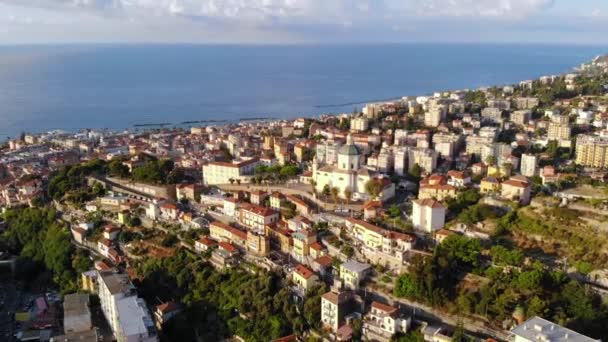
point(42, 243)
point(159, 172)
point(438, 281)
point(72, 179)
point(256, 307)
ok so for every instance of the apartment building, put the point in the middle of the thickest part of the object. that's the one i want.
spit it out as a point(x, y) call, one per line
point(126, 314)
point(428, 215)
point(592, 151)
point(256, 217)
point(222, 172)
point(529, 165)
point(225, 233)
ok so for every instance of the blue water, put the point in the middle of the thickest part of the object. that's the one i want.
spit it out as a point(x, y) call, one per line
point(93, 86)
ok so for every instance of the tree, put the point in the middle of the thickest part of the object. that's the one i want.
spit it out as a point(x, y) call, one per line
point(116, 168)
point(416, 172)
point(334, 194)
point(491, 160)
point(348, 194)
point(374, 188)
point(326, 190)
point(394, 211)
point(231, 180)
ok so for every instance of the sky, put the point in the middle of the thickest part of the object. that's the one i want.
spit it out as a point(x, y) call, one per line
point(303, 21)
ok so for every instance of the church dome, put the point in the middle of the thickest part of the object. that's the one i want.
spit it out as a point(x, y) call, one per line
point(349, 150)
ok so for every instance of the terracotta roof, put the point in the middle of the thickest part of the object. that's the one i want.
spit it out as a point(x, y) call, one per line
point(366, 225)
point(235, 165)
point(228, 247)
point(389, 310)
point(289, 338)
point(168, 307)
point(515, 183)
point(324, 261)
point(372, 205)
point(111, 228)
point(444, 232)
point(263, 211)
point(105, 242)
point(316, 246)
point(429, 203)
point(304, 271)
point(207, 241)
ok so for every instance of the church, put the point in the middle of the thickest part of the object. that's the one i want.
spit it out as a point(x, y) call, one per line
point(349, 175)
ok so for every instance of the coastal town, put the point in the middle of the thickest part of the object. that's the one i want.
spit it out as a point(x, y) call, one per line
point(465, 215)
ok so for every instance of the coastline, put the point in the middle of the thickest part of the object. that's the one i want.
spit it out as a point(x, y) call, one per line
point(230, 113)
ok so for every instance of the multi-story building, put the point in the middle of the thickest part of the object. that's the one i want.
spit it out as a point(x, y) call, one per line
point(517, 188)
point(222, 172)
point(526, 102)
point(559, 132)
point(537, 329)
point(436, 187)
point(126, 314)
point(258, 244)
point(592, 151)
point(383, 322)
point(304, 277)
point(302, 240)
point(335, 306)
point(359, 124)
point(380, 245)
point(222, 232)
point(425, 158)
point(521, 117)
point(428, 215)
point(474, 143)
point(352, 273)
point(528, 165)
point(256, 217)
point(491, 114)
point(76, 313)
point(401, 161)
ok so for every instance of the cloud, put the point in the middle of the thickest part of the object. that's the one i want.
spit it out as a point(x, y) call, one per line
point(312, 10)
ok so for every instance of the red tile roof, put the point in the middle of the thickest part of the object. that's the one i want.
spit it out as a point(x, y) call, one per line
point(304, 271)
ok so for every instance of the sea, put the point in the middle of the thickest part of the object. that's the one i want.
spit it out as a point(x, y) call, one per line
point(76, 87)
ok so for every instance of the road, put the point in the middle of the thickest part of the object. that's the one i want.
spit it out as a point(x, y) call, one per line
point(304, 190)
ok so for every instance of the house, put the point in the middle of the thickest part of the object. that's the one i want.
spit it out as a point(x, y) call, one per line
point(517, 188)
point(224, 256)
point(257, 197)
point(489, 185)
point(165, 312)
point(280, 237)
point(204, 244)
point(302, 240)
point(111, 232)
point(428, 215)
point(371, 209)
point(323, 265)
point(258, 244)
point(222, 232)
point(302, 207)
point(304, 277)
point(169, 211)
point(443, 234)
point(352, 273)
point(256, 217)
point(383, 322)
point(316, 249)
point(434, 333)
point(335, 306)
point(538, 329)
point(78, 234)
point(275, 200)
point(436, 187)
point(379, 245)
point(103, 247)
point(190, 192)
point(458, 179)
point(299, 223)
point(230, 206)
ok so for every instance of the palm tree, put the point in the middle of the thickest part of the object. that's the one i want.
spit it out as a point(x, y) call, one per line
point(231, 180)
point(334, 194)
point(238, 181)
point(348, 193)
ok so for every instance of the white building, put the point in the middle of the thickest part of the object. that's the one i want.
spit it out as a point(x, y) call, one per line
point(222, 172)
point(348, 175)
point(538, 329)
point(359, 124)
point(425, 158)
point(76, 313)
point(428, 215)
point(383, 322)
point(126, 314)
point(528, 165)
point(401, 161)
